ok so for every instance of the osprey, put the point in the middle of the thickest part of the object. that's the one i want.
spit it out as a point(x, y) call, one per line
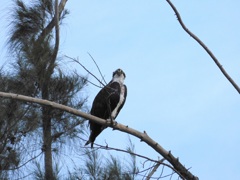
point(108, 103)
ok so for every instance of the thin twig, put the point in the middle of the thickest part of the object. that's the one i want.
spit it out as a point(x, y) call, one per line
point(26, 162)
point(153, 171)
point(24, 177)
point(97, 68)
point(144, 170)
point(161, 177)
point(161, 172)
point(75, 60)
point(131, 153)
point(122, 150)
point(87, 80)
point(204, 47)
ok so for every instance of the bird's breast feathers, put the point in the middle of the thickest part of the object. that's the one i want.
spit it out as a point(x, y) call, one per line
point(121, 100)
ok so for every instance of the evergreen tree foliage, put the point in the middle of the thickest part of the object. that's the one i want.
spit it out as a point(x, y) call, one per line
point(33, 129)
point(99, 166)
point(17, 119)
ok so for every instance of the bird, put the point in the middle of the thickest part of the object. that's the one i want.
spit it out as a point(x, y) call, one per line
point(108, 103)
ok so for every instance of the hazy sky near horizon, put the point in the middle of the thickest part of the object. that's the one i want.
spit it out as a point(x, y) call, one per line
point(176, 93)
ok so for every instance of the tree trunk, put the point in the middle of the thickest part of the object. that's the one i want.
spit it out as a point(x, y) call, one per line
point(47, 135)
point(47, 144)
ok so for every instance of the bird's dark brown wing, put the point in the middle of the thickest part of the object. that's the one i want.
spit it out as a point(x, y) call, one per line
point(114, 96)
point(103, 104)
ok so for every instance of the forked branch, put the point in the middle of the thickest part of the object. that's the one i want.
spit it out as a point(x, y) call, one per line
point(75, 60)
point(204, 47)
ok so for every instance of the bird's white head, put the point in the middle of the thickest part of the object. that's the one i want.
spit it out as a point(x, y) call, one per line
point(119, 76)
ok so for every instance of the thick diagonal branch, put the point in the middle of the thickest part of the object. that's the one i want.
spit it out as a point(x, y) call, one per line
point(56, 20)
point(204, 47)
point(142, 136)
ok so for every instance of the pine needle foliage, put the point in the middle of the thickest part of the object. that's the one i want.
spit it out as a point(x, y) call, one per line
point(33, 43)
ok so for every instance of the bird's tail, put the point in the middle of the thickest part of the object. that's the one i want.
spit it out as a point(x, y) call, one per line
point(97, 129)
point(88, 142)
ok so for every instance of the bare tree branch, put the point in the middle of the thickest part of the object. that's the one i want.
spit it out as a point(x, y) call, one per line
point(51, 25)
point(97, 68)
point(56, 20)
point(75, 60)
point(157, 162)
point(153, 171)
point(87, 80)
point(204, 47)
point(57, 39)
point(160, 177)
point(142, 136)
point(125, 151)
point(25, 162)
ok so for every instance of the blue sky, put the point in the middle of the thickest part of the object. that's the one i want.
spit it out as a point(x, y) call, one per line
point(175, 91)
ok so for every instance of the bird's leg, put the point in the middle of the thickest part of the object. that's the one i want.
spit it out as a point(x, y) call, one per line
point(110, 112)
point(112, 119)
point(113, 122)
